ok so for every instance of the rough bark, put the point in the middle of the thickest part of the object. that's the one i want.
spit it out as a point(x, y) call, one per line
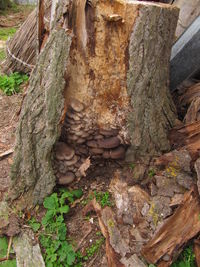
point(38, 128)
point(116, 94)
point(153, 112)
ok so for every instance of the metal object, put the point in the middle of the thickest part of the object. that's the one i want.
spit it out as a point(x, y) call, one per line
point(185, 57)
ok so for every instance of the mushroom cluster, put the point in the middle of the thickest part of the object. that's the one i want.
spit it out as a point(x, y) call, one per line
point(82, 138)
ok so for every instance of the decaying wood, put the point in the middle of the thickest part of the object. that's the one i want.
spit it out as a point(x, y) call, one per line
point(187, 137)
point(197, 251)
point(182, 226)
point(117, 249)
point(116, 94)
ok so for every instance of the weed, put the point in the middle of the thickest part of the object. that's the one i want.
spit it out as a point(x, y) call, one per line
point(34, 224)
point(94, 248)
point(151, 173)
point(58, 252)
point(11, 84)
point(3, 252)
point(186, 258)
point(5, 33)
point(103, 198)
point(152, 265)
point(132, 166)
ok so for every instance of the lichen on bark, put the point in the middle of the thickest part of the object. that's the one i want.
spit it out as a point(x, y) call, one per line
point(39, 122)
point(153, 112)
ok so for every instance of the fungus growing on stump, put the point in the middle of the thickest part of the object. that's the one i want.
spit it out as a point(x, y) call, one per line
point(103, 94)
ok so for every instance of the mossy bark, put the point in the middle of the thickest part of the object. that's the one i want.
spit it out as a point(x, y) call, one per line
point(39, 121)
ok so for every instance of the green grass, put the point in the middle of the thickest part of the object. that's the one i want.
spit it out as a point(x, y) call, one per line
point(2, 54)
point(186, 258)
point(3, 252)
point(15, 8)
point(5, 33)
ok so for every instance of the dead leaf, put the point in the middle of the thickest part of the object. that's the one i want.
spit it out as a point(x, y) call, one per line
point(85, 166)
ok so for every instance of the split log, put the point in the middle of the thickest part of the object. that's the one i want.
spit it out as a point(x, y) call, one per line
point(21, 49)
point(181, 227)
point(119, 89)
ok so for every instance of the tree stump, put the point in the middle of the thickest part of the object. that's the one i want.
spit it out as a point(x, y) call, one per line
point(116, 91)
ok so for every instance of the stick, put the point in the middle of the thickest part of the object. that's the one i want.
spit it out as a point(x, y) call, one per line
point(9, 246)
point(6, 153)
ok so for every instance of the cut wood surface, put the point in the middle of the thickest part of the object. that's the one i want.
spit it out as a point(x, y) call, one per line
point(182, 226)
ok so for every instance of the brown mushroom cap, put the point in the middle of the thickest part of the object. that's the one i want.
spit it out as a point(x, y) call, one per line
point(96, 151)
point(76, 105)
point(67, 178)
point(63, 151)
point(92, 143)
point(72, 161)
point(108, 133)
point(111, 142)
point(118, 153)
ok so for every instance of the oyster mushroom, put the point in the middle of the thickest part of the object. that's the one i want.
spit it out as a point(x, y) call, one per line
point(92, 143)
point(118, 153)
point(111, 142)
point(63, 151)
point(76, 105)
point(109, 133)
point(96, 151)
point(65, 179)
point(72, 161)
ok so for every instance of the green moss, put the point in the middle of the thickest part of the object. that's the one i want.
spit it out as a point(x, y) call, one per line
point(7, 32)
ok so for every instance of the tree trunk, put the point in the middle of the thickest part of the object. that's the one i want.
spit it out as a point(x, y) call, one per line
point(116, 91)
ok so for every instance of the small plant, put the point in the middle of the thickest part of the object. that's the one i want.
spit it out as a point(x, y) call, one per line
point(132, 166)
point(151, 173)
point(58, 252)
point(103, 198)
point(11, 84)
point(7, 32)
point(34, 224)
point(94, 248)
point(186, 258)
